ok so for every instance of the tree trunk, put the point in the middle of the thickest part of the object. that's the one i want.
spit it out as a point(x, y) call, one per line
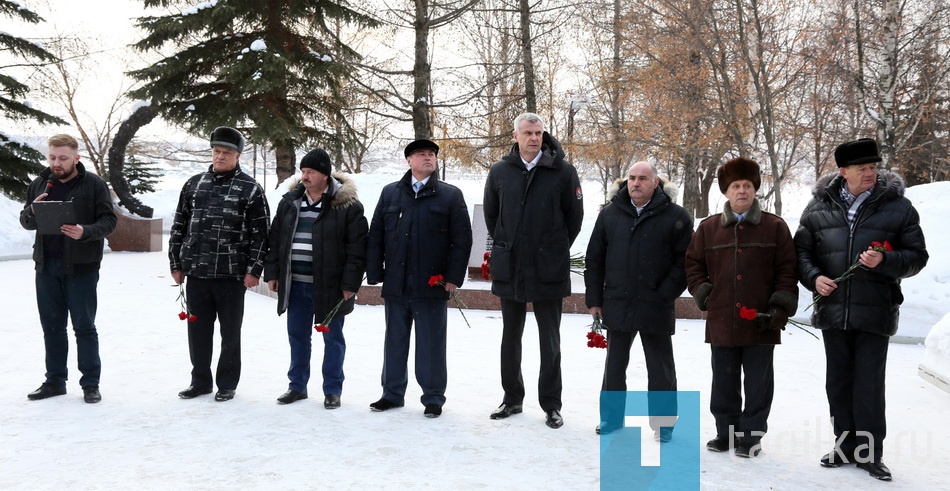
point(286, 160)
point(530, 94)
point(421, 74)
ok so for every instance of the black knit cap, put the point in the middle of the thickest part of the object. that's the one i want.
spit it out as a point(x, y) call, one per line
point(863, 151)
point(223, 136)
point(317, 159)
point(421, 145)
point(738, 169)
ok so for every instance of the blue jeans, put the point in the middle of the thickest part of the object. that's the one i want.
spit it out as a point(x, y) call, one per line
point(57, 295)
point(300, 323)
point(430, 318)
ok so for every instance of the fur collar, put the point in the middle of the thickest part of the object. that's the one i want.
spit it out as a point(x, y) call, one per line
point(753, 216)
point(341, 188)
point(668, 188)
point(888, 183)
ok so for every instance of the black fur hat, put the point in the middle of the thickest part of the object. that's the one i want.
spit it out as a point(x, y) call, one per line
point(419, 145)
point(317, 159)
point(863, 151)
point(224, 136)
point(738, 169)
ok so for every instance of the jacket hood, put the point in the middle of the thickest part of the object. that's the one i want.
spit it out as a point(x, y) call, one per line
point(893, 185)
point(670, 189)
point(552, 154)
point(341, 188)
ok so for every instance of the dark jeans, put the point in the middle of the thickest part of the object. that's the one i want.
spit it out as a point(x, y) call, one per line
point(548, 315)
point(729, 364)
point(59, 295)
point(661, 369)
point(210, 300)
point(430, 318)
point(300, 331)
point(854, 382)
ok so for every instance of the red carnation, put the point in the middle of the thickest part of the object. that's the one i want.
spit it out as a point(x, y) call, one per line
point(321, 328)
point(436, 280)
point(882, 247)
point(182, 315)
point(747, 313)
point(192, 318)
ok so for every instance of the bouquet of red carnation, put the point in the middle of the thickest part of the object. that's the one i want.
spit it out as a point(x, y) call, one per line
point(595, 337)
point(185, 314)
point(486, 267)
point(439, 280)
point(325, 325)
point(875, 246)
point(751, 314)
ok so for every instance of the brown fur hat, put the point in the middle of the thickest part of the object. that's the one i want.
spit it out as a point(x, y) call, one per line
point(738, 169)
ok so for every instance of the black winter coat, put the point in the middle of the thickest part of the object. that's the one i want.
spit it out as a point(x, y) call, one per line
point(220, 226)
point(94, 211)
point(415, 237)
point(870, 300)
point(636, 265)
point(339, 247)
point(533, 218)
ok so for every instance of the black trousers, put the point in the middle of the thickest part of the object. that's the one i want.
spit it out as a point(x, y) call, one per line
point(854, 382)
point(661, 369)
point(220, 299)
point(548, 315)
point(729, 364)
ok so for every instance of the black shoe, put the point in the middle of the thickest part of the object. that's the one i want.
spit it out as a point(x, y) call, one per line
point(331, 401)
point(90, 394)
point(748, 451)
point(46, 390)
point(224, 395)
point(432, 411)
point(721, 444)
point(383, 404)
point(553, 419)
point(663, 435)
point(506, 410)
point(877, 470)
point(832, 460)
point(291, 396)
point(192, 392)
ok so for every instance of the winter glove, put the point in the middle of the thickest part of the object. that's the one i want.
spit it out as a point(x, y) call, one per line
point(778, 318)
point(701, 295)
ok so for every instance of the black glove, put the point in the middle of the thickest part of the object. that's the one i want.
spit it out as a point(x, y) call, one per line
point(778, 318)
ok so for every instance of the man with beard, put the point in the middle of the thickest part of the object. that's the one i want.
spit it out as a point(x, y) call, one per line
point(67, 266)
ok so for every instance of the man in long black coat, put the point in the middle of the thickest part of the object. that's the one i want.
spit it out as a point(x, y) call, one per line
point(533, 209)
point(635, 272)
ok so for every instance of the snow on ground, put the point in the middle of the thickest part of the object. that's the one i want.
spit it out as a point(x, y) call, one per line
point(142, 435)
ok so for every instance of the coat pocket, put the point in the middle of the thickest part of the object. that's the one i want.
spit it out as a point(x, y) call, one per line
point(501, 262)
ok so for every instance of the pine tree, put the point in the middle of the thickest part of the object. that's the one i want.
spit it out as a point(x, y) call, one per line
point(272, 69)
point(19, 161)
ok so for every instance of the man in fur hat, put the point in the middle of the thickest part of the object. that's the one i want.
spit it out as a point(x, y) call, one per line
point(635, 272)
point(740, 263)
point(315, 263)
point(849, 212)
point(218, 240)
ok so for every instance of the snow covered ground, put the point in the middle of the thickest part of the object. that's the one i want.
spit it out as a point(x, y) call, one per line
point(143, 435)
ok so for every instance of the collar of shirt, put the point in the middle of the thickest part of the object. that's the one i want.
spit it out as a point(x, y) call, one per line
point(414, 181)
point(639, 208)
point(534, 161)
point(739, 217)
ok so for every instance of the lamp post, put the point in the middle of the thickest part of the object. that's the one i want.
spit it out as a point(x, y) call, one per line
point(578, 102)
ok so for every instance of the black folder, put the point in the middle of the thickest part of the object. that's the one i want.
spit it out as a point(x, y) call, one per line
point(51, 215)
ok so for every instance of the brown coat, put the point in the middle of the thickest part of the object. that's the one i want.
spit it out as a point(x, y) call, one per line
point(752, 264)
